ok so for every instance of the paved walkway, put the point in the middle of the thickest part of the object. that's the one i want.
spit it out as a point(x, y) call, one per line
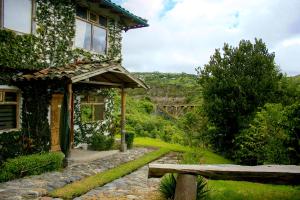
point(135, 186)
point(37, 186)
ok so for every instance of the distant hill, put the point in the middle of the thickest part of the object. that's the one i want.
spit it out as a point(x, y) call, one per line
point(174, 87)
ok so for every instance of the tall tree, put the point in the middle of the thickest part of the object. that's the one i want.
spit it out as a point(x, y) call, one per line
point(235, 82)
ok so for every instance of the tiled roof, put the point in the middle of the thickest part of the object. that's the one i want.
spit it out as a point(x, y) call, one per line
point(82, 71)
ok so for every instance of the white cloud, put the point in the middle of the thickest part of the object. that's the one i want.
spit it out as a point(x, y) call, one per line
point(185, 36)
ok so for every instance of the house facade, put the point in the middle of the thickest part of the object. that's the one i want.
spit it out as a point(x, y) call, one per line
point(59, 60)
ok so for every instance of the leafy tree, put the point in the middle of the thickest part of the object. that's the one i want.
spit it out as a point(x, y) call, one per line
point(235, 82)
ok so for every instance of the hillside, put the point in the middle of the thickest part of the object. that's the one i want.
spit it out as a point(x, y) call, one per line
point(169, 88)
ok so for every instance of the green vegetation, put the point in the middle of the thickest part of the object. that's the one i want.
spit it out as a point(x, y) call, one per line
point(239, 190)
point(80, 187)
point(167, 187)
point(100, 142)
point(129, 138)
point(207, 157)
point(141, 120)
point(30, 165)
point(169, 85)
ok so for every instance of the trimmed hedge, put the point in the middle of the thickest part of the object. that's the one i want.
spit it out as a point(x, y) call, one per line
point(30, 165)
point(129, 137)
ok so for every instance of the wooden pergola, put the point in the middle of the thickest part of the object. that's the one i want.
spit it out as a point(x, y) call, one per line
point(95, 75)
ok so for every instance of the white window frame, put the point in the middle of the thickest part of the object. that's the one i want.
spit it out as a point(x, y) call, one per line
point(5, 88)
point(92, 23)
point(32, 21)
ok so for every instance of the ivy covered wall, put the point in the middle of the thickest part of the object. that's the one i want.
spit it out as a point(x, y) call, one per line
point(52, 42)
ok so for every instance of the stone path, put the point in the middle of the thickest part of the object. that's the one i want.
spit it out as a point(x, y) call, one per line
point(37, 186)
point(135, 186)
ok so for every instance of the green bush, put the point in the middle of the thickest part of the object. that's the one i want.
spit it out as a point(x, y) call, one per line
point(100, 142)
point(10, 145)
point(129, 137)
point(272, 137)
point(30, 165)
point(167, 187)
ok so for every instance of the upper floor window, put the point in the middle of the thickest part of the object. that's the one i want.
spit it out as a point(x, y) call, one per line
point(9, 109)
point(17, 15)
point(91, 31)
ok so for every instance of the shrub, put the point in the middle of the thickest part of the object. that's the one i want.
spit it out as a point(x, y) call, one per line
point(101, 142)
point(266, 140)
point(167, 187)
point(129, 137)
point(10, 145)
point(30, 165)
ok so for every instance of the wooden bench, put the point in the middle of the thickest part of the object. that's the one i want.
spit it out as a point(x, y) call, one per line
point(186, 181)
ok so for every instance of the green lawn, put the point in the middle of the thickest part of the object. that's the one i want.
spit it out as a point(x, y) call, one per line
point(227, 190)
point(208, 157)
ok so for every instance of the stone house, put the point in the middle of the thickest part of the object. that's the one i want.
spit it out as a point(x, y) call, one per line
point(58, 59)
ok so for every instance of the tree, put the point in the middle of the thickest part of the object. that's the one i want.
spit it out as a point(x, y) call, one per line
point(235, 82)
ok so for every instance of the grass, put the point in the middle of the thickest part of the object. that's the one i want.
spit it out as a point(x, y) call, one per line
point(81, 187)
point(240, 190)
point(208, 157)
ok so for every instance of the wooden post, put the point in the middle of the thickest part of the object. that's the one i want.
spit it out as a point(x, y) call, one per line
point(71, 114)
point(186, 187)
point(123, 110)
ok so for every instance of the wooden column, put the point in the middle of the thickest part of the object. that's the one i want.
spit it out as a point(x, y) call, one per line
point(123, 110)
point(71, 114)
point(186, 187)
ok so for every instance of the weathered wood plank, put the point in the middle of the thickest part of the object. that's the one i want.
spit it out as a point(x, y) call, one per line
point(277, 174)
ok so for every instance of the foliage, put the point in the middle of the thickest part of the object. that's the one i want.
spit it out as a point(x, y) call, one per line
point(271, 138)
point(192, 157)
point(167, 187)
point(87, 129)
point(30, 165)
point(11, 145)
point(64, 127)
point(141, 120)
point(101, 142)
point(78, 188)
point(129, 138)
point(195, 125)
point(168, 85)
point(235, 83)
point(35, 107)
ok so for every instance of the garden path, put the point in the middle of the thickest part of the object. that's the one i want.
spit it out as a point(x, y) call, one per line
point(135, 186)
point(34, 187)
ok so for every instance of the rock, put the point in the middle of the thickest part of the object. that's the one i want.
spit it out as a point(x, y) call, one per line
point(132, 197)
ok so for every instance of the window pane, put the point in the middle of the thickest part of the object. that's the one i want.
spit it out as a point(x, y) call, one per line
point(17, 15)
point(8, 117)
point(81, 12)
point(99, 40)
point(83, 35)
point(10, 96)
point(99, 112)
point(102, 21)
point(86, 113)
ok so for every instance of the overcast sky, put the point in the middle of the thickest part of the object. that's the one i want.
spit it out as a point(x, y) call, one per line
point(183, 34)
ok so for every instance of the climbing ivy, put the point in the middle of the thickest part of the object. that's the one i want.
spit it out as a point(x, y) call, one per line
point(84, 130)
point(52, 44)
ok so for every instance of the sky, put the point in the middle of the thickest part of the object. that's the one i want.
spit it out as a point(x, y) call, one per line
point(183, 34)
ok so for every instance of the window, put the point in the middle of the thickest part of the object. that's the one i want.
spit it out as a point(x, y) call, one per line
point(92, 108)
point(17, 15)
point(9, 109)
point(91, 31)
